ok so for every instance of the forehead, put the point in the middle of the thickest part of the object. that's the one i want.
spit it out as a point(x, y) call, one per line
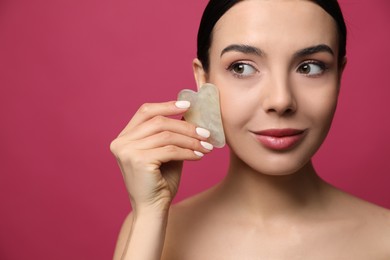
point(276, 24)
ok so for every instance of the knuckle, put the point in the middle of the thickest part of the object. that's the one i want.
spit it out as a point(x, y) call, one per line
point(114, 146)
point(144, 108)
point(171, 149)
point(190, 129)
point(158, 121)
point(130, 158)
point(166, 135)
point(193, 143)
point(123, 153)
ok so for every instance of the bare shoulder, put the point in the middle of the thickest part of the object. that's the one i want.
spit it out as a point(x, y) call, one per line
point(196, 210)
point(375, 227)
point(369, 224)
point(375, 222)
point(363, 210)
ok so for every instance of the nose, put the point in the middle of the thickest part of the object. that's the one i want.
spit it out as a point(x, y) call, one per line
point(278, 97)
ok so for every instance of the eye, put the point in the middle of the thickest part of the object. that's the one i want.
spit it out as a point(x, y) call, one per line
point(312, 68)
point(241, 69)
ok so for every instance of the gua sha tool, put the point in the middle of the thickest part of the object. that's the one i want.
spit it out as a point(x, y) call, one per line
point(205, 111)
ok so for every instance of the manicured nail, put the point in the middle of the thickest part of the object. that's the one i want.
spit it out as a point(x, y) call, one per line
point(207, 145)
point(203, 132)
point(198, 154)
point(182, 104)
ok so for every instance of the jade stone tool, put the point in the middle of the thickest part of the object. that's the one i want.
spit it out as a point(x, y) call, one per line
point(205, 111)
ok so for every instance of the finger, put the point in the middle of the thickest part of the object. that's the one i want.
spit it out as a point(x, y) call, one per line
point(170, 138)
point(172, 153)
point(150, 110)
point(160, 124)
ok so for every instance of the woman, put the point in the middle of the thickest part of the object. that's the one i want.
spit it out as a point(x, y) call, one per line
point(277, 65)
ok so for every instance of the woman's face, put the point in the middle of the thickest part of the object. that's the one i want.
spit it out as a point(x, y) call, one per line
point(275, 64)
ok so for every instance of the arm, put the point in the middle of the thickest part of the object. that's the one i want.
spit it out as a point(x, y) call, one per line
point(135, 231)
point(150, 151)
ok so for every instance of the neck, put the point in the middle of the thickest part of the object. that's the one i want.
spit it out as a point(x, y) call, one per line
point(272, 196)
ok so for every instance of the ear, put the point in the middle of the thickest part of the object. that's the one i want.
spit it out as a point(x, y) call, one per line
point(341, 71)
point(199, 73)
point(342, 67)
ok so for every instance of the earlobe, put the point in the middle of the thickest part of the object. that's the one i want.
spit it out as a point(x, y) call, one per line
point(199, 73)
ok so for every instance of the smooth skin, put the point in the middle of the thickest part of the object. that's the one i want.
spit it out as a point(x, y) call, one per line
point(272, 204)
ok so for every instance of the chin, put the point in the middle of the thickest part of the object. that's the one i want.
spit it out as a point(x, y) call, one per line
point(279, 169)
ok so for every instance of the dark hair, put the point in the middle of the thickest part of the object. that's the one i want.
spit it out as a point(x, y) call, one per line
point(215, 9)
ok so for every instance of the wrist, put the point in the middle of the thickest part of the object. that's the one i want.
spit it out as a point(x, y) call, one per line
point(150, 212)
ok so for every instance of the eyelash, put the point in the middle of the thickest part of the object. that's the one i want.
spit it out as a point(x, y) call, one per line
point(320, 64)
point(231, 68)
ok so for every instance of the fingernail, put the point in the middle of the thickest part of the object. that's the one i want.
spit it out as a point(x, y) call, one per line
point(182, 104)
point(198, 154)
point(203, 132)
point(207, 145)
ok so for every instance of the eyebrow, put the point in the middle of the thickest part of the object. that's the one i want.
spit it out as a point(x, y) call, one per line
point(247, 49)
point(314, 49)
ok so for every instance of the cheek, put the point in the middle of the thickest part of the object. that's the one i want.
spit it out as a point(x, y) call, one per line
point(238, 109)
point(319, 109)
point(237, 106)
point(235, 95)
point(231, 107)
point(321, 106)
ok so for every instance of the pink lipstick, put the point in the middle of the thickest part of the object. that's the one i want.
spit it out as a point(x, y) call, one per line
point(280, 139)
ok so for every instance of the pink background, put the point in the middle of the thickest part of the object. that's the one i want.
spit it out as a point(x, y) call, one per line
point(73, 72)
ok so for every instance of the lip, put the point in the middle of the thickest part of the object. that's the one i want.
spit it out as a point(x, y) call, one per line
point(280, 139)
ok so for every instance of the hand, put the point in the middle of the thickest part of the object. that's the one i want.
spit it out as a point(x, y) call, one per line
point(150, 152)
